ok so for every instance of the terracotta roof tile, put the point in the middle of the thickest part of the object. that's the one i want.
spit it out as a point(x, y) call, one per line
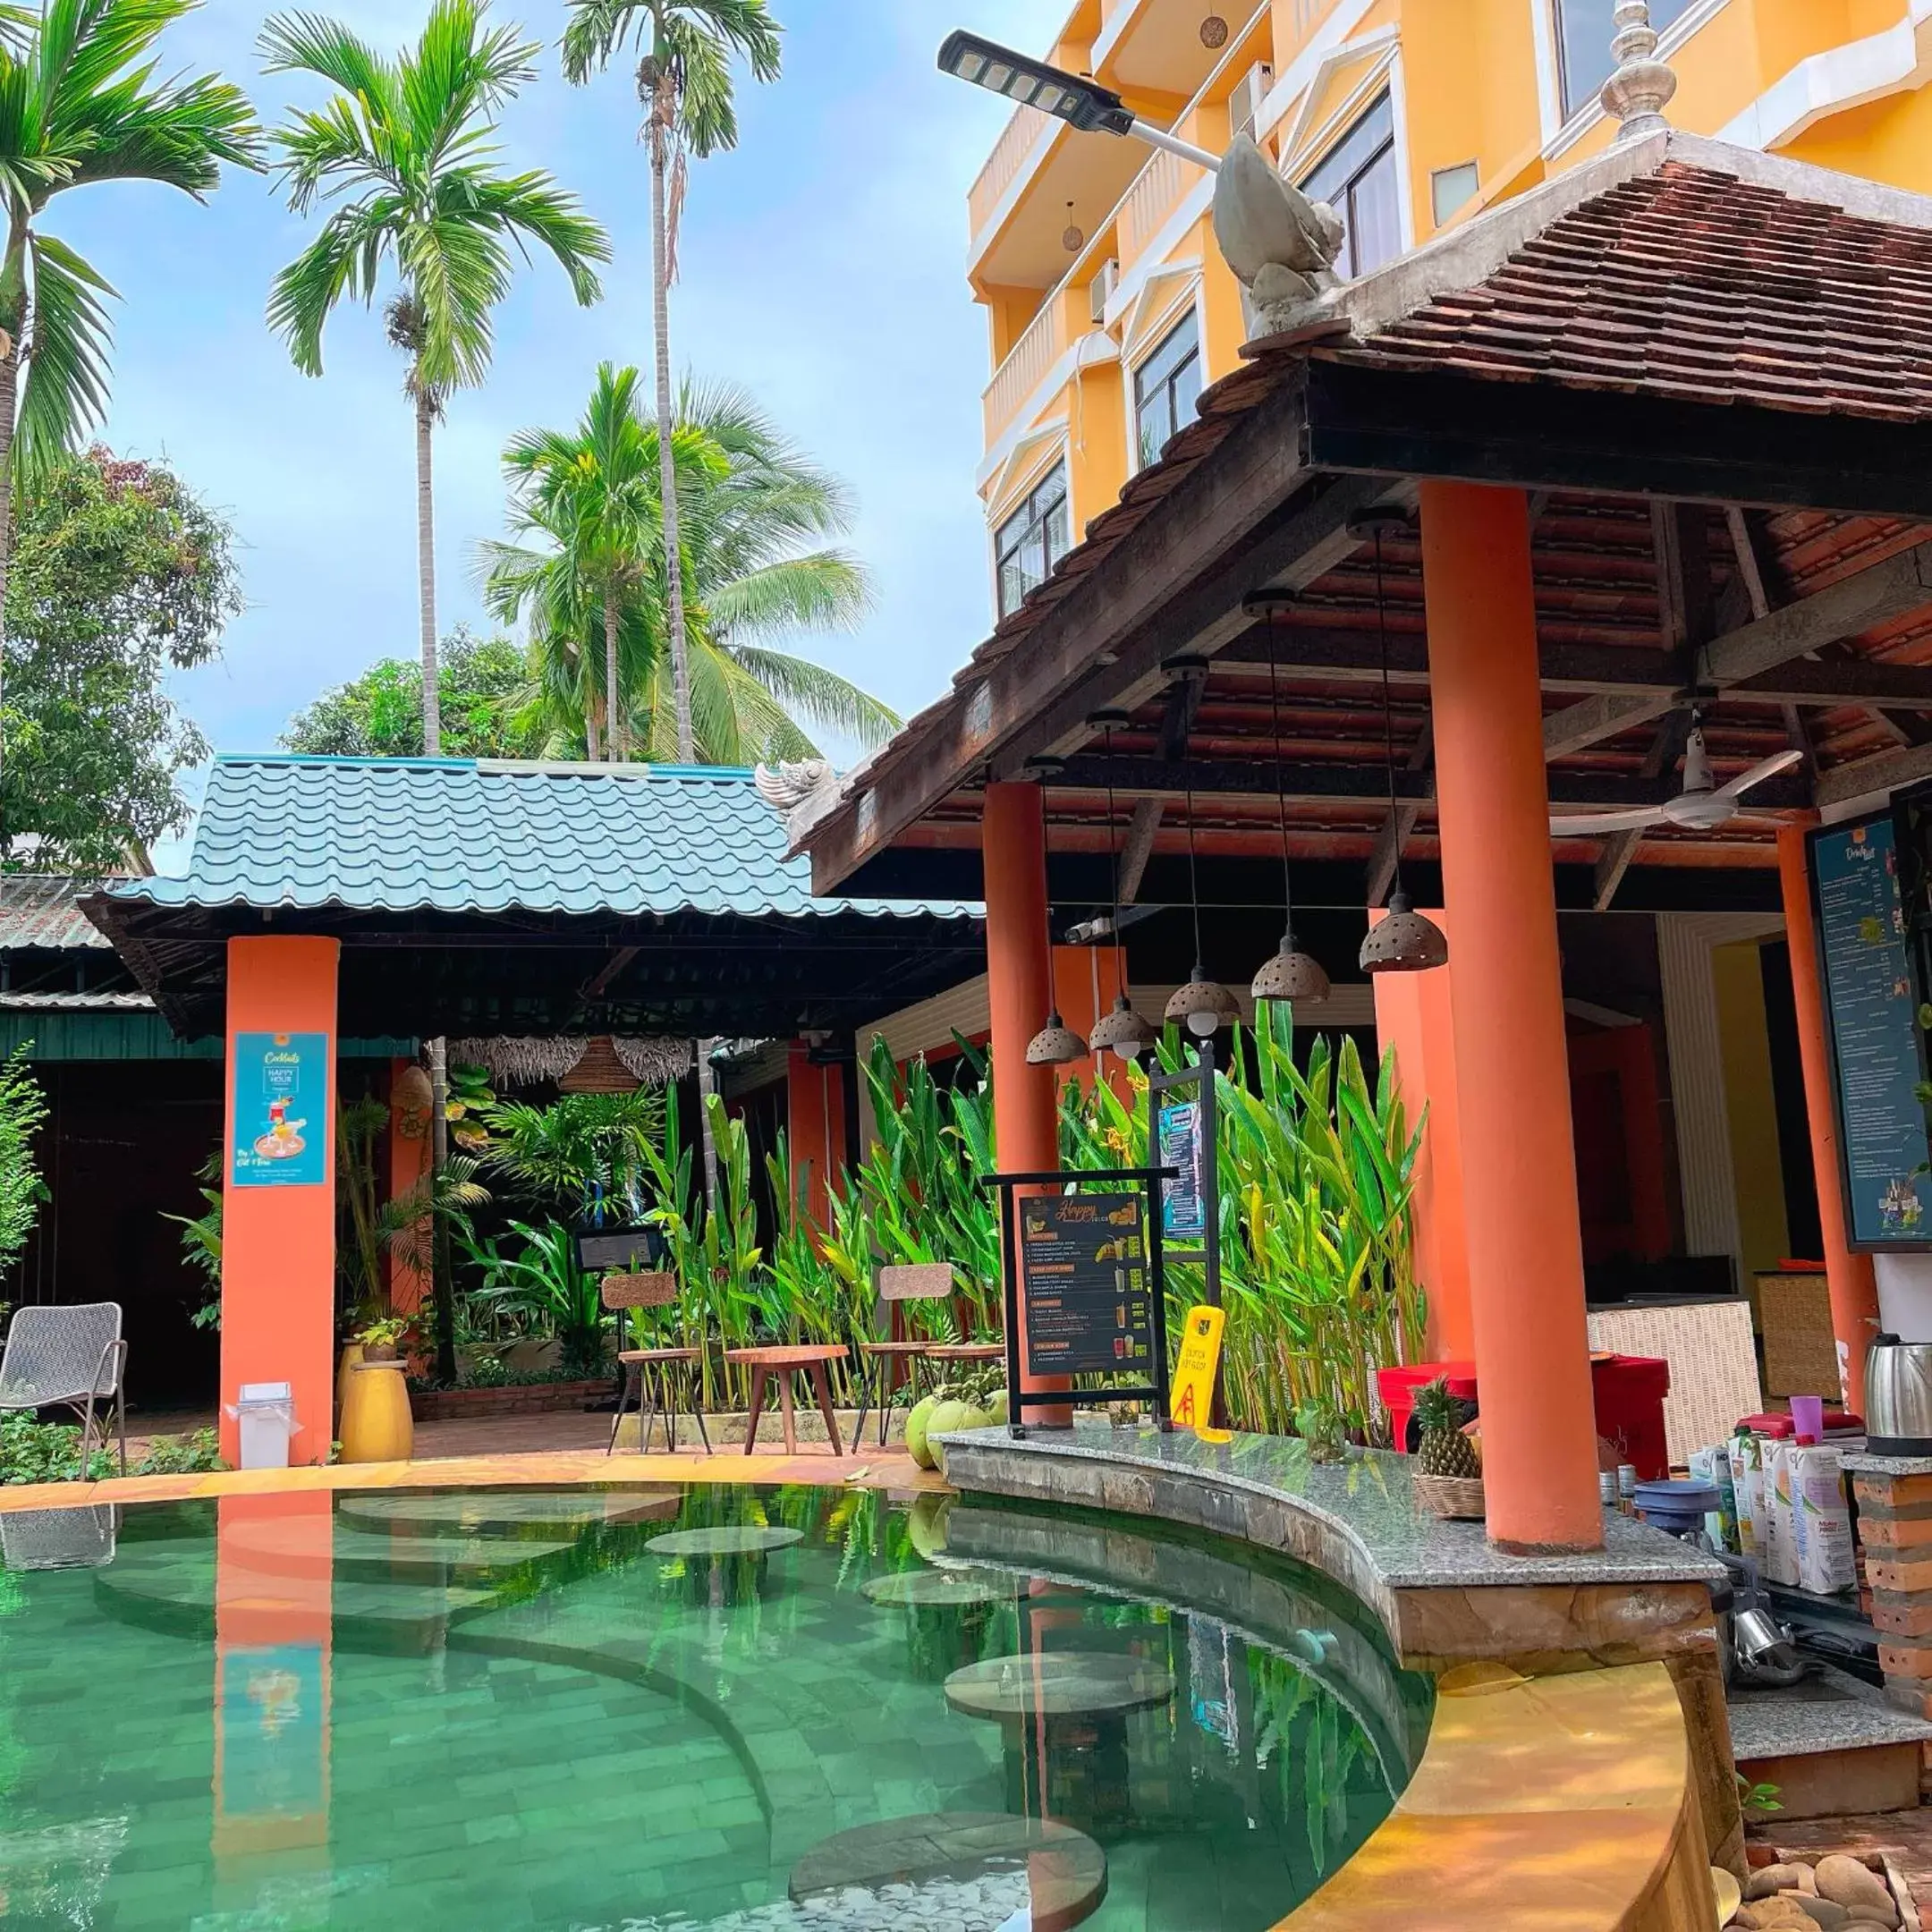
point(1692, 284)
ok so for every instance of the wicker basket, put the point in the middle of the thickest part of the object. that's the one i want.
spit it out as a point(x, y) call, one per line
point(1457, 1498)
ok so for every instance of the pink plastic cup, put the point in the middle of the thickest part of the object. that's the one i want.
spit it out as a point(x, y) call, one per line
point(1807, 1417)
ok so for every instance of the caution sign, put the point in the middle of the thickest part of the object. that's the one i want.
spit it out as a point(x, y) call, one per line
point(1192, 1399)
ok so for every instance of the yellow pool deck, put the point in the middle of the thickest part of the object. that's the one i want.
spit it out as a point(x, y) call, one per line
point(592, 1468)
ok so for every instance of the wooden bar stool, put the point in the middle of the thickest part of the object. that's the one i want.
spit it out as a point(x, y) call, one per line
point(809, 1360)
point(899, 1284)
point(622, 1291)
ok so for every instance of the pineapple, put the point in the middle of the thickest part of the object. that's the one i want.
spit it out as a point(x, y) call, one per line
point(1444, 1450)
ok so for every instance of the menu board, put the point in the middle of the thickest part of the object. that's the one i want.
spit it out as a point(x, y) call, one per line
point(1083, 1260)
point(281, 1109)
point(1871, 1005)
point(1183, 1214)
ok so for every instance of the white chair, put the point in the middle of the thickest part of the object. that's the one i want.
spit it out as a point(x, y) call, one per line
point(68, 1358)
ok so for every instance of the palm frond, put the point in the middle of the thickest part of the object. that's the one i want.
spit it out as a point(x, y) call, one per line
point(823, 696)
point(65, 391)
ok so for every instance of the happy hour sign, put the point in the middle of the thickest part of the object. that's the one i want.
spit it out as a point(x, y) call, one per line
point(281, 1110)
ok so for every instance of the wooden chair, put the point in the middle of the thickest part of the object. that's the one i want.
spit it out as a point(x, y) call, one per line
point(622, 1291)
point(899, 1284)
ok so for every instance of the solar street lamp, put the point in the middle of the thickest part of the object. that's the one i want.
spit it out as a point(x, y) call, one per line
point(1074, 98)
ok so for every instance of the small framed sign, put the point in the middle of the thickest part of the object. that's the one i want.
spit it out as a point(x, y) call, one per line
point(281, 1097)
point(600, 1250)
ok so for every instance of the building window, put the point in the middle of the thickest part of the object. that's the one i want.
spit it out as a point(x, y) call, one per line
point(1033, 539)
point(1357, 179)
point(1166, 388)
point(1584, 30)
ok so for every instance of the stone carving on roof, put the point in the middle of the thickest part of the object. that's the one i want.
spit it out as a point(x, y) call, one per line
point(800, 793)
point(1281, 245)
point(1638, 92)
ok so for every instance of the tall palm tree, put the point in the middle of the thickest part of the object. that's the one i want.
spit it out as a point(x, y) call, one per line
point(576, 574)
point(79, 104)
point(404, 149)
point(684, 83)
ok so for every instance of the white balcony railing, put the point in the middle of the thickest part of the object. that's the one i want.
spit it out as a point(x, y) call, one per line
point(1024, 368)
point(1157, 192)
point(1008, 156)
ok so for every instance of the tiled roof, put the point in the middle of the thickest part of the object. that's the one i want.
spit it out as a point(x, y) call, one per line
point(1695, 284)
point(76, 1002)
point(459, 835)
point(43, 912)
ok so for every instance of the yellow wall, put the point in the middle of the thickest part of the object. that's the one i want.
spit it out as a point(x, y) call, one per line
point(1750, 1105)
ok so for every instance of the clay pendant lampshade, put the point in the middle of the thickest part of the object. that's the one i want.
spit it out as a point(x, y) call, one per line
point(1291, 975)
point(1122, 1031)
point(1403, 941)
point(1057, 1044)
point(1202, 1005)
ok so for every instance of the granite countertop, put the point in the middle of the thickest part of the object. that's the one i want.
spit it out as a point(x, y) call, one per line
point(1370, 1499)
point(1831, 1711)
point(1862, 1463)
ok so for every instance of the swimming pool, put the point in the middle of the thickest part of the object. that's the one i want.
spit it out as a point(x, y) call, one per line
point(650, 1709)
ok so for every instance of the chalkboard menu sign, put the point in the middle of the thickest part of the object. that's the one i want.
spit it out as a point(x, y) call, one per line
point(1084, 1261)
point(1872, 1004)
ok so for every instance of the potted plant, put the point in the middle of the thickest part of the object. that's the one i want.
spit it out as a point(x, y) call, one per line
point(379, 1339)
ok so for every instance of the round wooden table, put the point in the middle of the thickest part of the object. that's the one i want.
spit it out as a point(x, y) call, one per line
point(809, 1360)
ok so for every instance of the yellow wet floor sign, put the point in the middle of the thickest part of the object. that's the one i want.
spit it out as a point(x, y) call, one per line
point(1191, 1402)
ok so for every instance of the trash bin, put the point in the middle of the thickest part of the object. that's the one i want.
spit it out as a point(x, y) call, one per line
point(266, 1414)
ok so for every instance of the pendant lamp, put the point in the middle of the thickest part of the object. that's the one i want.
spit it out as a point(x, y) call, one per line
point(1203, 1005)
point(1057, 1044)
point(1403, 940)
point(1291, 974)
point(1122, 1030)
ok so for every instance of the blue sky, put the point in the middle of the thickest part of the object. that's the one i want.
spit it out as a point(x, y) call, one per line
point(823, 267)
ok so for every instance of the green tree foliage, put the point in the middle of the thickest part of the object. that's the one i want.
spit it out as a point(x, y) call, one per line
point(120, 574)
point(23, 1111)
point(486, 705)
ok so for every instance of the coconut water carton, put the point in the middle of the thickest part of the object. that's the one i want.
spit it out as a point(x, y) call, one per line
point(1714, 1466)
point(1822, 1520)
point(1747, 1488)
point(1780, 1526)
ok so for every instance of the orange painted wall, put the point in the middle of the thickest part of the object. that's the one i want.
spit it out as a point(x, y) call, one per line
point(409, 1161)
point(278, 1244)
point(1086, 980)
point(815, 1124)
point(1412, 1019)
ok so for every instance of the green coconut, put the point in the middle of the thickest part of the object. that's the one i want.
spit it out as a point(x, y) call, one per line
point(997, 1411)
point(918, 1418)
point(948, 1417)
point(925, 1525)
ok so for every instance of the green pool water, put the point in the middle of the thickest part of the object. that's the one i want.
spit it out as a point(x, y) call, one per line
point(524, 1709)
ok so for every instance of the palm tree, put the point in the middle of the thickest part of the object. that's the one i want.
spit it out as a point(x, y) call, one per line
point(404, 149)
point(80, 103)
point(577, 570)
point(684, 83)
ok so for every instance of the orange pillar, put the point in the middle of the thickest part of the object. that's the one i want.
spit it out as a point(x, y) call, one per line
point(278, 1201)
point(1853, 1285)
point(1512, 1080)
point(1026, 1123)
point(1414, 1021)
point(814, 1126)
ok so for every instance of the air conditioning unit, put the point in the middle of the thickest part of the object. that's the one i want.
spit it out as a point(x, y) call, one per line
point(1250, 97)
point(1102, 291)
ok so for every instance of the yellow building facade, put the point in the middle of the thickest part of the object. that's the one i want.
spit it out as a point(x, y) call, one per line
point(1109, 308)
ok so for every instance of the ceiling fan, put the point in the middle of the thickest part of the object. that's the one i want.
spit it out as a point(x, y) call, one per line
point(1702, 805)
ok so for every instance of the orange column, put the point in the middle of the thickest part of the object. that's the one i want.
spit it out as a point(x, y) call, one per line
point(1513, 1081)
point(409, 1162)
point(1853, 1285)
point(814, 1126)
point(1026, 1123)
point(1414, 1021)
point(278, 1205)
point(1085, 980)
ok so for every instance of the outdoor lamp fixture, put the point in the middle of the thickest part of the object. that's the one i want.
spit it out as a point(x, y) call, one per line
point(1291, 974)
point(1402, 941)
point(1203, 1005)
point(1074, 98)
point(1057, 1044)
point(1122, 1030)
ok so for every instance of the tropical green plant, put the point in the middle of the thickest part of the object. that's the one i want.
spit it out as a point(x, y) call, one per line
point(193, 1454)
point(81, 103)
point(414, 1223)
point(22, 1113)
point(404, 148)
point(201, 1240)
point(585, 569)
point(684, 84)
point(33, 1451)
point(583, 1155)
point(542, 1288)
point(362, 1261)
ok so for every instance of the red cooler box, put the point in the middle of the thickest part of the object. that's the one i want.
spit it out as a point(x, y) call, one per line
point(1630, 1392)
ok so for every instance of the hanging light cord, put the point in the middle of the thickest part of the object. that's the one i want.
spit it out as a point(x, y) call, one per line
point(1193, 878)
point(1120, 964)
point(1389, 702)
point(1281, 779)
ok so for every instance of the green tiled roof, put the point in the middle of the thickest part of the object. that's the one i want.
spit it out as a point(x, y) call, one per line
point(467, 836)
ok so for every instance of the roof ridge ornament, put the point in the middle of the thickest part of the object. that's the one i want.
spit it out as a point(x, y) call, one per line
point(1281, 245)
point(1642, 85)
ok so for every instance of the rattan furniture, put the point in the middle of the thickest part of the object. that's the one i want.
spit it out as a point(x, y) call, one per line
point(668, 1367)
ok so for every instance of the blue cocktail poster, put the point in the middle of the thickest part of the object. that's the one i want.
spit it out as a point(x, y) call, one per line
point(281, 1109)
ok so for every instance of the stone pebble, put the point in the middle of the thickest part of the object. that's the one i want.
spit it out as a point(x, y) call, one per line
point(1856, 1886)
point(1775, 1878)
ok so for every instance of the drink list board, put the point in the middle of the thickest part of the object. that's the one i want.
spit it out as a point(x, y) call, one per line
point(1084, 1261)
point(1871, 1005)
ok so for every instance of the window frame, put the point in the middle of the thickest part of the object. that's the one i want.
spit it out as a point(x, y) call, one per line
point(1343, 196)
point(1188, 320)
point(1033, 516)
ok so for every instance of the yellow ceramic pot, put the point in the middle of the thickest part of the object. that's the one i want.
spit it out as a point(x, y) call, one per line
point(351, 1355)
point(376, 1422)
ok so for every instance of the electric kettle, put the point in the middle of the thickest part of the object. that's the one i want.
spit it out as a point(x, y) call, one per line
point(1898, 1397)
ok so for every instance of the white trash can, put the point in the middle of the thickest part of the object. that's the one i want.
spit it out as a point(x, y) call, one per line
point(267, 1412)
